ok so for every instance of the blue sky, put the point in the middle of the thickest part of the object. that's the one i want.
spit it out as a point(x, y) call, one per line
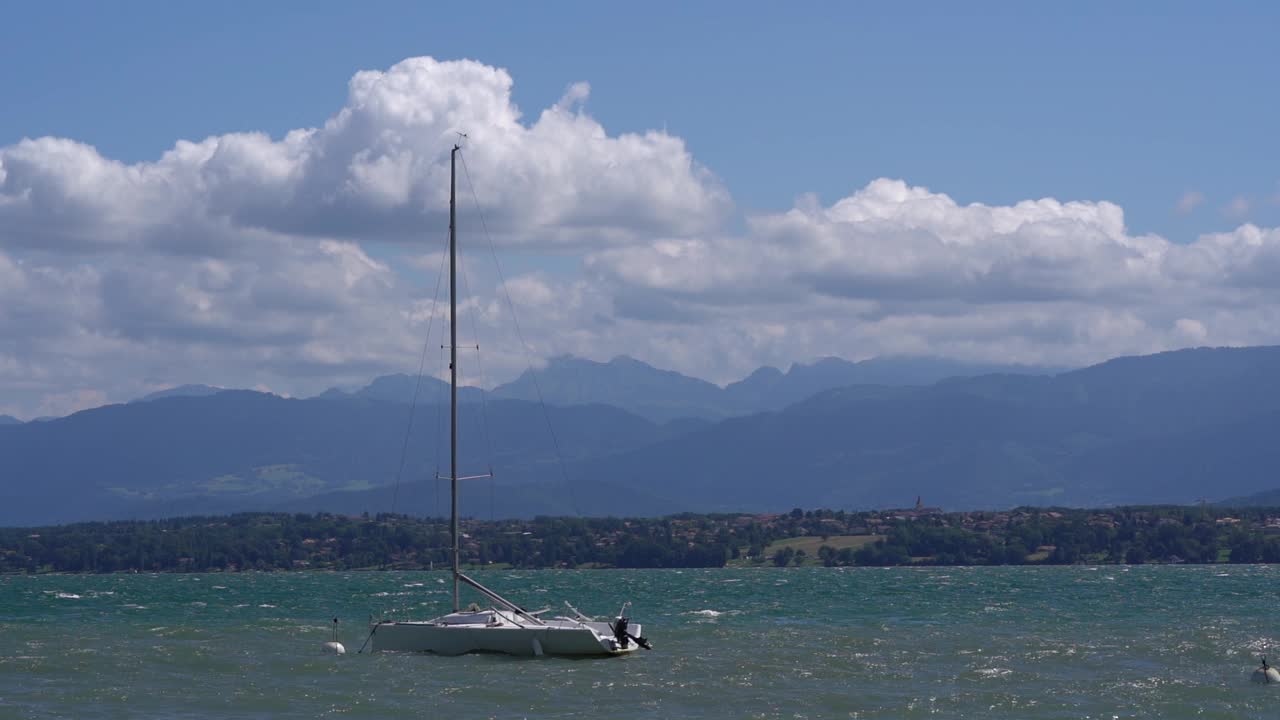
point(1137, 103)
point(238, 194)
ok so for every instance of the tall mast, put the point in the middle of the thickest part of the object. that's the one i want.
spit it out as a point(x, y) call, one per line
point(453, 370)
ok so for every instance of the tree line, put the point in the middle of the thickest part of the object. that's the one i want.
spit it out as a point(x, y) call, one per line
point(276, 541)
point(1128, 535)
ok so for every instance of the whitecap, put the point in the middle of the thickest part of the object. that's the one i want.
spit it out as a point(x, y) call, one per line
point(68, 596)
point(417, 584)
point(266, 605)
point(706, 613)
point(219, 587)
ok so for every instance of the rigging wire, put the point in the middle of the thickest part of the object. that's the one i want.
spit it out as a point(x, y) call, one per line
point(484, 403)
point(413, 406)
point(435, 441)
point(555, 442)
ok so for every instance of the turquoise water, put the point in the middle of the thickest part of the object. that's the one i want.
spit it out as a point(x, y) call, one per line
point(1007, 642)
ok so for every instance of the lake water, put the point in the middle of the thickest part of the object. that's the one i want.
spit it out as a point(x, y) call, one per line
point(1003, 642)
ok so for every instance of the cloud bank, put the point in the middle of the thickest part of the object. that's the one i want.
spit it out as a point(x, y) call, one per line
point(899, 269)
point(243, 260)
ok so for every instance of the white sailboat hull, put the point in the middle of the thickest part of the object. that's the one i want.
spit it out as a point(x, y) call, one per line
point(556, 637)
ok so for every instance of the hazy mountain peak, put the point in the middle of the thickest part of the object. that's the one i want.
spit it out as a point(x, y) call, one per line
point(623, 381)
point(568, 361)
point(767, 372)
point(9, 420)
point(401, 388)
point(190, 390)
point(826, 361)
point(759, 380)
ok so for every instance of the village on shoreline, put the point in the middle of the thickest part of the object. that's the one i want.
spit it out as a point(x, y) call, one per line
point(833, 538)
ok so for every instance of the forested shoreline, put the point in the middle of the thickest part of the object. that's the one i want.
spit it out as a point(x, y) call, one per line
point(919, 536)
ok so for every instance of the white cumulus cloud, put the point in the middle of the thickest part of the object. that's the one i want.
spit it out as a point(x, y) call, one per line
point(900, 269)
point(378, 168)
point(310, 260)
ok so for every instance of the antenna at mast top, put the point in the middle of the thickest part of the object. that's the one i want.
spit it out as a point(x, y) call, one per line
point(461, 136)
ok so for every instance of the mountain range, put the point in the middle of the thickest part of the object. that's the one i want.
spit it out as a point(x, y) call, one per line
point(664, 395)
point(624, 438)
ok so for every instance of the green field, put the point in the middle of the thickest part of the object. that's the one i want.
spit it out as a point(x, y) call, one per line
point(810, 544)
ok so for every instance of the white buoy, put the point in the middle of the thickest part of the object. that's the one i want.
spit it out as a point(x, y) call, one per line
point(333, 647)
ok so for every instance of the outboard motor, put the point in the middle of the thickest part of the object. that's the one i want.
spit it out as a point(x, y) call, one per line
point(624, 638)
point(620, 632)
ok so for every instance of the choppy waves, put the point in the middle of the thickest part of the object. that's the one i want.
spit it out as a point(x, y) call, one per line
point(1147, 642)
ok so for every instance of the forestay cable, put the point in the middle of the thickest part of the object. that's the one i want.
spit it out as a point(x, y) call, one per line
point(524, 346)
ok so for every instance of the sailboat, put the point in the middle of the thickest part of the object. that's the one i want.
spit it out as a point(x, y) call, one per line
point(502, 626)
